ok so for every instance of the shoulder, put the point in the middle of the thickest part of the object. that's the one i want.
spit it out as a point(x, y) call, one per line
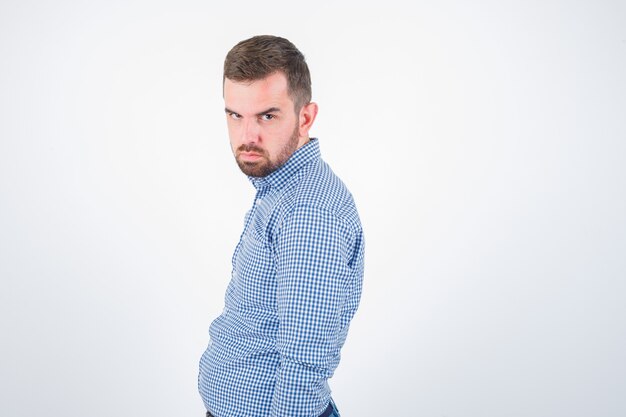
point(319, 186)
point(318, 194)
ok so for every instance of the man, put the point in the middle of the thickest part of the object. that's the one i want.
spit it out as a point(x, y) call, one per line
point(298, 267)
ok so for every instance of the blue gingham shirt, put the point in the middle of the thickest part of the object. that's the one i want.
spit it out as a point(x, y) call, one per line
point(296, 283)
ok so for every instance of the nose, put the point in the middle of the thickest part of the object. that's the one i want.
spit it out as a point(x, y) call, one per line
point(250, 131)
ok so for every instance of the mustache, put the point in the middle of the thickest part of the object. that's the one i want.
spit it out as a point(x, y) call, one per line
point(251, 148)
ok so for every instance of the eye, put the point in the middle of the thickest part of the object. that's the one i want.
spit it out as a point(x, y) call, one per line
point(234, 115)
point(267, 116)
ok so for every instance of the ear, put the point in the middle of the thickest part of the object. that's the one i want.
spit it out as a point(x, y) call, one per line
point(306, 119)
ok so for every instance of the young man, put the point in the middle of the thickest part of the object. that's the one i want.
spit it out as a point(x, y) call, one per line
point(298, 267)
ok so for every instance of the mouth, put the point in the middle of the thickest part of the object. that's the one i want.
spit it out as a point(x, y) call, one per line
point(249, 156)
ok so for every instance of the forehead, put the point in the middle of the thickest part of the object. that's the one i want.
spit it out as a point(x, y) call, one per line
point(246, 96)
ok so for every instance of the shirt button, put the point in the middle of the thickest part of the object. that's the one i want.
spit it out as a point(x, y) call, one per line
point(258, 202)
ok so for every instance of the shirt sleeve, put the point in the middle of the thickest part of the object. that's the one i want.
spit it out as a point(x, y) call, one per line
point(313, 283)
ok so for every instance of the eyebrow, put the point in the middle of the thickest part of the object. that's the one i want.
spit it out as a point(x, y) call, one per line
point(270, 110)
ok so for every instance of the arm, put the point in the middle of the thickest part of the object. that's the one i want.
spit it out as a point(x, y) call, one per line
point(314, 281)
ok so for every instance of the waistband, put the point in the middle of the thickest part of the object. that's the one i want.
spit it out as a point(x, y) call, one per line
point(329, 410)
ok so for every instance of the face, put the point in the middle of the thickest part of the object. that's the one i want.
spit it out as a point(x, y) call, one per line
point(263, 127)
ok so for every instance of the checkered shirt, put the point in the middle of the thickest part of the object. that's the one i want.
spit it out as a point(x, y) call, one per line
point(296, 283)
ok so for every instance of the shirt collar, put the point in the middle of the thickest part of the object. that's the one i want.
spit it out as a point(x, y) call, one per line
point(306, 153)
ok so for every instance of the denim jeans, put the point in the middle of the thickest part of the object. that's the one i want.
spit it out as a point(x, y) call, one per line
point(334, 412)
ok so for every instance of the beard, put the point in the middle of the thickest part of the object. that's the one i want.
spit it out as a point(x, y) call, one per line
point(265, 165)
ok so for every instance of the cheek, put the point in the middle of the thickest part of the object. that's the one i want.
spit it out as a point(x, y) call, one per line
point(282, 130)
point(232, 131)
point(229, 125)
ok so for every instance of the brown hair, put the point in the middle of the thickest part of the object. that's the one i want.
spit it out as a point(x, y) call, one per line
point(260, 56)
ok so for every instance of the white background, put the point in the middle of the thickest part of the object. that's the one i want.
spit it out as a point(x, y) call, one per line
point(484, 143)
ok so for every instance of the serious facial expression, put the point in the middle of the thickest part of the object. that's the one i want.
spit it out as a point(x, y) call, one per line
point(262, 124)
